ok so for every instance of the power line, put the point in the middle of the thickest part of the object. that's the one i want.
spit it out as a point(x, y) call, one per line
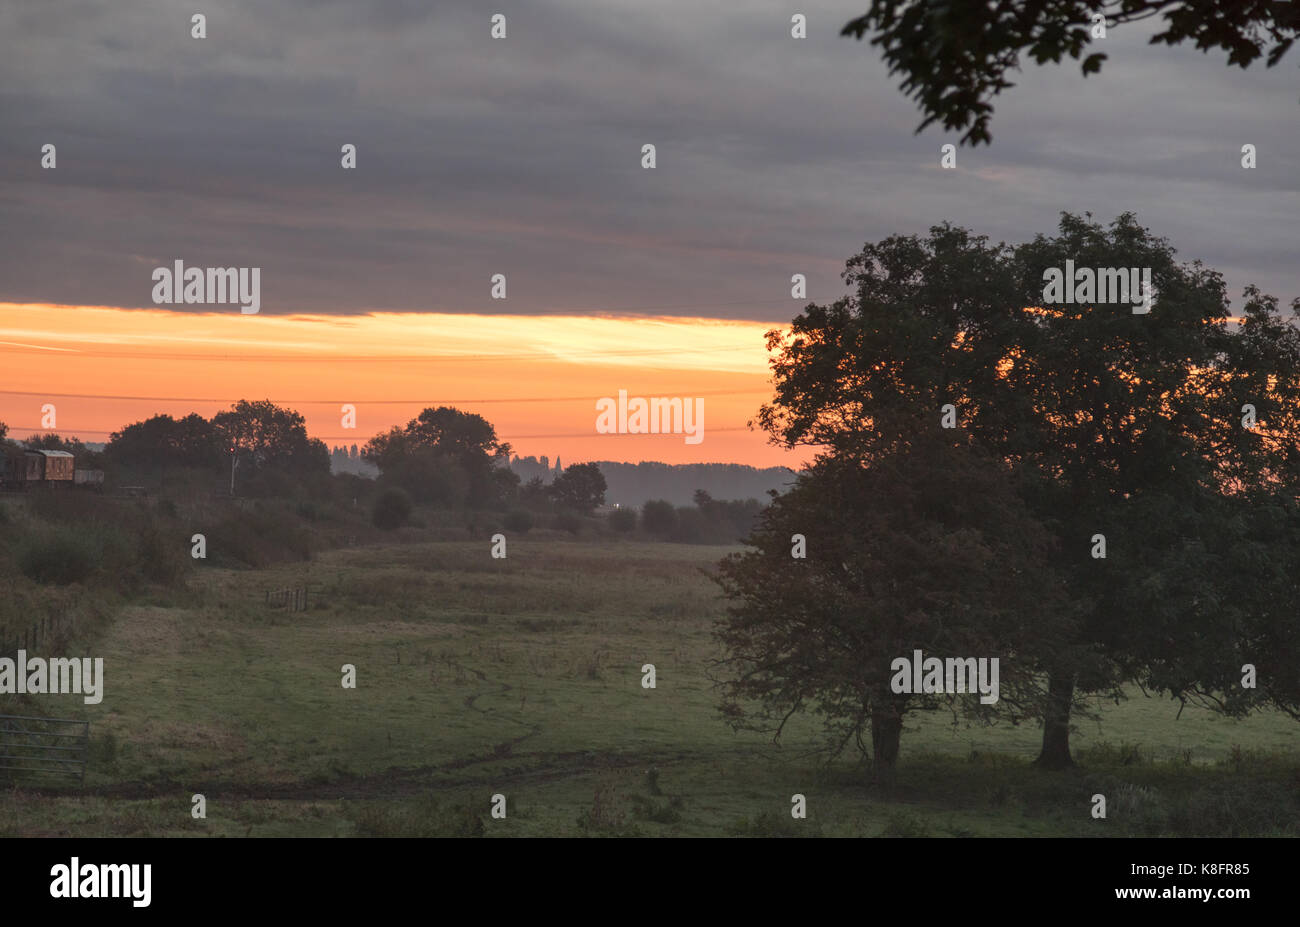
point(390, 358)
point(549, 310)
point(372, 402)
point(74, 432)
point(574, 310)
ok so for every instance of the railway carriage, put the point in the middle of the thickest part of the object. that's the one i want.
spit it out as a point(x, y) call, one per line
point(24, 469)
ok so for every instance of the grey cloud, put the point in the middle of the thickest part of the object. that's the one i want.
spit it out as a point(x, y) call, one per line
point(522, 156)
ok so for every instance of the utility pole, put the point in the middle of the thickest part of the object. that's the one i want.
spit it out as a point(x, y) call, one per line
point(233, 461)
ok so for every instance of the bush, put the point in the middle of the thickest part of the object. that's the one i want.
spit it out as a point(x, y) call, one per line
point(162, 557)
point(392, 509)
point(568, 521)
point(518, 520)
point(103, 750)
point(647, 809)
point(257, 538)
point(690, 526)
point(59, 558)
point(659, 517)
point(605, 817)
point(623, 520)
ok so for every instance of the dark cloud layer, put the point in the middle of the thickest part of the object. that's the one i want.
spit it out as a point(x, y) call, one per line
point(522, 156)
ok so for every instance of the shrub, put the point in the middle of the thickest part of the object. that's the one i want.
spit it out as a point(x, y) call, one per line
point(568, 521)
point(690, 526)
point(623, 520)
point(257, 538)
point(518, 520)
point(59, 558)
point(605, 817)
point(104, 750)
point(162, 557)
point(392, 509)
point(647, 809)
point(659, 517)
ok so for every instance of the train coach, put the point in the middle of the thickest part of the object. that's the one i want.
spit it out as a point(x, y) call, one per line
point(24, 469)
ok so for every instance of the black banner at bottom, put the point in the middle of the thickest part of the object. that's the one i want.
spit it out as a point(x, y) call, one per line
point(146, 877)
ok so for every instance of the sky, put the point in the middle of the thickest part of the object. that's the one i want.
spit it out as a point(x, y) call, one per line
point(536, 382)
point(522, 156)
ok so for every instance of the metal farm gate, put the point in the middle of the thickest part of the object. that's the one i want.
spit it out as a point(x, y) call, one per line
point(40, 747)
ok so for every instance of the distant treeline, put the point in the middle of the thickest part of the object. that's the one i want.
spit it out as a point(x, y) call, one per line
point(443, 459)
point(629, 485)
point(634, 484)
point(345, 460)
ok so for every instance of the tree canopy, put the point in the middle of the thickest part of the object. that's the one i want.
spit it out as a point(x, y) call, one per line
point(580, 488)
point(162, 441)
point(929, 548)
point(1115, 423)
point(264, 435)
point(444, 456)
point(954, 55)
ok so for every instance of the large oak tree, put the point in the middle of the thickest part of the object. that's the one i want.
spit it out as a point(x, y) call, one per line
point(1108, 415)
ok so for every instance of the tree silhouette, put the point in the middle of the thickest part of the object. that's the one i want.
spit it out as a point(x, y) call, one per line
point(954, 55)
point(928, 548)
point(1109, 416)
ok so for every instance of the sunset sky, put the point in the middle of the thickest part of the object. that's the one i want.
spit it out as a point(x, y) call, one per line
point(536, 379)
point(521, 156)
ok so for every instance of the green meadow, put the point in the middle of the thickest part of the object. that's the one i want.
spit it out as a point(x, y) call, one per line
point(522, 677)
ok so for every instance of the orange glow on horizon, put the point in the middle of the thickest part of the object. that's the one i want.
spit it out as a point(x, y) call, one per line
point(536, 379)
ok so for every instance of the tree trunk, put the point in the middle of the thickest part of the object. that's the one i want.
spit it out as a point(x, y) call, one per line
point(1056, 723)
point(886, 730)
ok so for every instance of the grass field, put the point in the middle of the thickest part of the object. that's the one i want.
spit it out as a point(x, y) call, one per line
point(522, 676)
